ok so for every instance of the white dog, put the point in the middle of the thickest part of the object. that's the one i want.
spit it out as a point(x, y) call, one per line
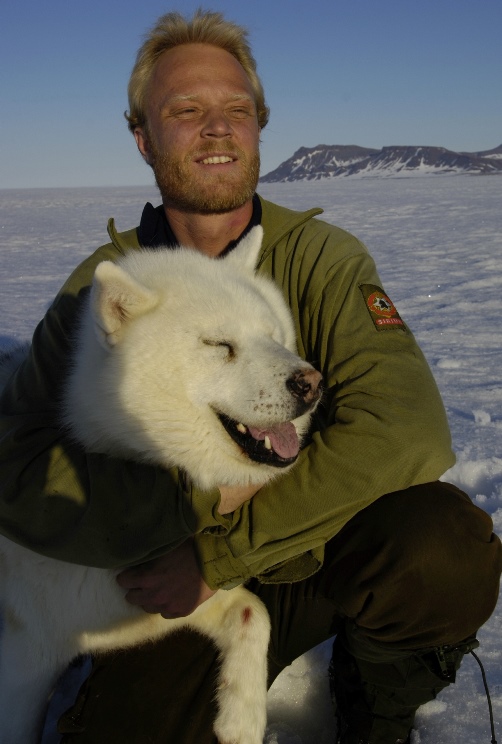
point(181, 360)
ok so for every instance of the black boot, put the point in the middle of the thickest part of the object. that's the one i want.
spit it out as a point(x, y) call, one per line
point(343, 735)
point(376, 697)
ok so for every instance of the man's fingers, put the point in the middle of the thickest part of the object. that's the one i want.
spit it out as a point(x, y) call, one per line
point(137, 597)
point(129, 578)
point(171, 585)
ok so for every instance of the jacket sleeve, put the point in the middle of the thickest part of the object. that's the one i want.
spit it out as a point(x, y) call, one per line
point(59, 501)
point(380, 428)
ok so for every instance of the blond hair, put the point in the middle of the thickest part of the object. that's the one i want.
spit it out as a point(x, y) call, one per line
point(171, 30)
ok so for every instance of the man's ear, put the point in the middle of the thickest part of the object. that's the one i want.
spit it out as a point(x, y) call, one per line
point(143, 145)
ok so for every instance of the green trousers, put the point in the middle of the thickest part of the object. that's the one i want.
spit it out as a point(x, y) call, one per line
point(417, 569)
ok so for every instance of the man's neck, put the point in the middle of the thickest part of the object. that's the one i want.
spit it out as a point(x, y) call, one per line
point(209, 233)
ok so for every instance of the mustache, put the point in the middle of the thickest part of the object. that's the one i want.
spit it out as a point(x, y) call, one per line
point(213, 148)
point(165, 158)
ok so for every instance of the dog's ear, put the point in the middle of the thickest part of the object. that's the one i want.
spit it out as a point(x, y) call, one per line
point(246, 253)
point(116, 298)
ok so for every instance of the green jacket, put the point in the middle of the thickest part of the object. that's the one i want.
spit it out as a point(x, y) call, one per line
point(381, 428)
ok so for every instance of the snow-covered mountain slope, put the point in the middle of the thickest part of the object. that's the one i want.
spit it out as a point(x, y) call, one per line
point(330, 161)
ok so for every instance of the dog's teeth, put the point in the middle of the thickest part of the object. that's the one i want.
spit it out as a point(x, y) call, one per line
point(267, 443)
point(241, 428)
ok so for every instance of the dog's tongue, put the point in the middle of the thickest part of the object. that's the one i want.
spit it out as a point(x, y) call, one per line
point(283, 438)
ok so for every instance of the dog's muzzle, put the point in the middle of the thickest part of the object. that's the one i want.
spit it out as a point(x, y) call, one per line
point(278, 445)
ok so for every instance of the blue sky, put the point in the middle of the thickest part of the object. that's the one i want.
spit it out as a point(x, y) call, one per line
point(365, 72)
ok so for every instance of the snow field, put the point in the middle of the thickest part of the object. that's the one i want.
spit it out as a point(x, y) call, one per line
point(437, 243)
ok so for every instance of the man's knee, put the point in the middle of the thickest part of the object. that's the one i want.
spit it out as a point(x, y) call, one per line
point(425, 566)
point(449, 546)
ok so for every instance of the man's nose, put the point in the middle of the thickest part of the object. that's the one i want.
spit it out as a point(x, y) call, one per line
point(216, 124)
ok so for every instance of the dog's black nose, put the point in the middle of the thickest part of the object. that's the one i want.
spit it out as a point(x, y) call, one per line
point(306, 385)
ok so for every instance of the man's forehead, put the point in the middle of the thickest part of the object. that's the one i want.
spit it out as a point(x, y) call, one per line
point(189, 63)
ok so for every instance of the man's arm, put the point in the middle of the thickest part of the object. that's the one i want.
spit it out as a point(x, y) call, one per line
point(381, 428)
point(68, 504)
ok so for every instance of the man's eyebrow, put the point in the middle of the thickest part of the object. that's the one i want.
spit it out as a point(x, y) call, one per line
point(180, 98)
point(241, 97)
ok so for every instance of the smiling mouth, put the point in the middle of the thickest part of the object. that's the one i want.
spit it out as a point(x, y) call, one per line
point(217, 160)
point(277, 446)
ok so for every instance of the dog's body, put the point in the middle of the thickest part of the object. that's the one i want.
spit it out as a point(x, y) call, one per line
point(184, 361)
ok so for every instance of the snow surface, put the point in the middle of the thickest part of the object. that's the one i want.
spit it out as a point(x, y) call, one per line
point(438, 246)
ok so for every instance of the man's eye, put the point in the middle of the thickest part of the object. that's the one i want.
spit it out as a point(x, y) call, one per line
point(186, 113)
point(241, 113)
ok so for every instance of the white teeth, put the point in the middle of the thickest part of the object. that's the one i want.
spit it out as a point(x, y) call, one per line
point(217, 160)
point(267, 443)
point(241, 428)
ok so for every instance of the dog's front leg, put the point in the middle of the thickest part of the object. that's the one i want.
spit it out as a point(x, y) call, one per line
point(238, 622)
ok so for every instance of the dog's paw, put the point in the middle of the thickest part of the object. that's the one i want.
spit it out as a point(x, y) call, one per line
point(246, 730)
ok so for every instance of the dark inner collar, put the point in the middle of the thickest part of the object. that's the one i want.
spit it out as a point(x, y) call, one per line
point(155, 231)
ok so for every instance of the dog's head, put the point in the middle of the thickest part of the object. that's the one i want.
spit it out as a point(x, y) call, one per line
point(191, 361)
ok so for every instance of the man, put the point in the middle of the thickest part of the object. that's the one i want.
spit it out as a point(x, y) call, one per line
point(360, 540)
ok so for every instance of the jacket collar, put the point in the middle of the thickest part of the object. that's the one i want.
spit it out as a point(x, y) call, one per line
point(277, 222)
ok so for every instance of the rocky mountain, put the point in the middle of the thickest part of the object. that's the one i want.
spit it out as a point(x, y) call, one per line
point(331, 161)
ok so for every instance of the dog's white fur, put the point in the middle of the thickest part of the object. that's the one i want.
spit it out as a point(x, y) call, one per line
point(168, 340)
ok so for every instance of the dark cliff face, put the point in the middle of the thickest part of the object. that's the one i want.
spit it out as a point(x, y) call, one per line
point(330, 161)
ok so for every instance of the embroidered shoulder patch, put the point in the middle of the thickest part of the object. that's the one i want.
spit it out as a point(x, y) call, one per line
point(381, 308)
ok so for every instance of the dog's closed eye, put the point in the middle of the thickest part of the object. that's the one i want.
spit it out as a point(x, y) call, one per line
point(230, 348)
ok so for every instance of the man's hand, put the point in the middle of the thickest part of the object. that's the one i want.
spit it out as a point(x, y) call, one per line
point(234, 496)
point(171, 585)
